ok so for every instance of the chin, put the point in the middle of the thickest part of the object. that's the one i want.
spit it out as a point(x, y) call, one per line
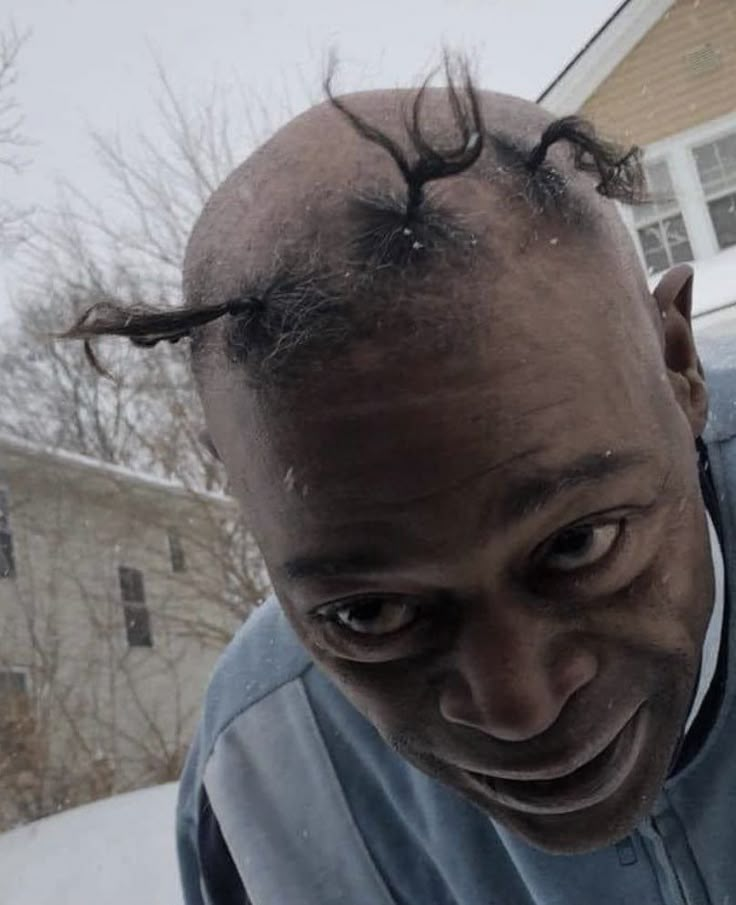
point(595, 807)
point(589, 829)
point(591, 808)
point(586, 831)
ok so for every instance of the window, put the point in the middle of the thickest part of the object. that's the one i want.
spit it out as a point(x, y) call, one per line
point(716, 163)
point(137, 617)
point(14, 698)
point(660, 226)
point(7, 559)
point(176, 552)
point(13, 682)
point(17, 725)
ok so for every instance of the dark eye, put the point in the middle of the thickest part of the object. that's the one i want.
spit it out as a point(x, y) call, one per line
point(373, 615)
point(580, 546)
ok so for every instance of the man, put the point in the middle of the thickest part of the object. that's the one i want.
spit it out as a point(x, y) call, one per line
point(470, 445)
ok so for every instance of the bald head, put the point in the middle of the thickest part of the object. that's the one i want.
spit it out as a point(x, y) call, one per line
point(379, 194)
point(297, 189)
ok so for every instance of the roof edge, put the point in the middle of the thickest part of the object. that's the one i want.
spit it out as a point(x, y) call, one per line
point(618, 35)
point(79, 462)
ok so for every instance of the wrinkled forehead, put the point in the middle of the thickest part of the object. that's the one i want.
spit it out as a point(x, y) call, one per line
point(554, 369)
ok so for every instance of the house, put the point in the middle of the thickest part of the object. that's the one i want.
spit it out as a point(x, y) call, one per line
point(117, 593)
point(662, 74)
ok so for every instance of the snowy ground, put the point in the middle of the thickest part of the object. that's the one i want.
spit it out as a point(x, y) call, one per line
point(113, 852)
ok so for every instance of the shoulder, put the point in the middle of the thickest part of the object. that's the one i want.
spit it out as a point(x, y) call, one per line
point(264, 656)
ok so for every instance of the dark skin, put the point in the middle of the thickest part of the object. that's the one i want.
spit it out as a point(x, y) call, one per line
point(500, 556)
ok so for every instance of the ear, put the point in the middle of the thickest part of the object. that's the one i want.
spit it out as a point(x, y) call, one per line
point(206, 440)
point(674, 300)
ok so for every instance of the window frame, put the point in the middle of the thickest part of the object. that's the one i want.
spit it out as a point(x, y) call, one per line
point(25, 692)
point(724, 132)
point(136, 612)
point(659, 218)
point(677, 151)
point(22, 671)
point(7, 545)
point(177, 556)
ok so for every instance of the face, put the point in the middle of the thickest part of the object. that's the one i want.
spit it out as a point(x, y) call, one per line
point(499, 556)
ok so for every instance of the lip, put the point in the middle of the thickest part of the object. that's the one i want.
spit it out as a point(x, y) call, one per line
point(577, 788)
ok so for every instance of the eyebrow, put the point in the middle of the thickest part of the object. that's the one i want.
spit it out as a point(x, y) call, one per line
point(520, 499)
point(354, 562)
point(532, 492)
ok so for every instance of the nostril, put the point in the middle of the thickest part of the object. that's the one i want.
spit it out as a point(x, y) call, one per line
point(508, 716)
point(513, 705)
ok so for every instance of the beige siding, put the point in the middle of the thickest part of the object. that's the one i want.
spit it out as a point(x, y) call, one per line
point(107, 717)
point(655, 92)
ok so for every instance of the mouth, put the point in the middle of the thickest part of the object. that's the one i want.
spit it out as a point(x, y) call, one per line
point(581, 788)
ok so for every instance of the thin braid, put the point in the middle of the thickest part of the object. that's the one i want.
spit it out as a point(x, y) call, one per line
point(432, 162)
point(620, 173)
point(147, 326)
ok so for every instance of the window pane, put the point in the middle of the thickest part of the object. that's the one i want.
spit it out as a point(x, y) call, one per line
point(727, 151)
point(131, 585)
point(138, 626)
point(677, 239)
point(716, 163)
point(706, 161)
point(7, 558)
point(661, 191)
point(653, 247)
point(4, 511)
point(723, 215)
point(176, 551)
point(12, 682)
point(15, 704)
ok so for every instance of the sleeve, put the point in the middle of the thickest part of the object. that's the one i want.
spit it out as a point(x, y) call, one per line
point(207, 871)
point(219, 874)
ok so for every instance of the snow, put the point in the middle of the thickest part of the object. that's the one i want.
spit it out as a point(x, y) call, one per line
point(119, 472)
point(715, 282)
point(116, 851)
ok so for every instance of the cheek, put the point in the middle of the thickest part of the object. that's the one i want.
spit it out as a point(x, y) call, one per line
point(663, 614)
point(390, 695)
point(685, 580)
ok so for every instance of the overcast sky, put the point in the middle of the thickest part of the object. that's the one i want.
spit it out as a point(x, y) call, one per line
point(90, 64)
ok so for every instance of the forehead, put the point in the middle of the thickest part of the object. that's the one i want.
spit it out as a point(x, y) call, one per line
point(564, 363)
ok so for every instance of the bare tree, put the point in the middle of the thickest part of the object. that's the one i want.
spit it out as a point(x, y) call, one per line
point(12, 139)
point(69, 744)
point(148, 418)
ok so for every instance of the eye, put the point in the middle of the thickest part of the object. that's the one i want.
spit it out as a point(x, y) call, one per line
point(580, 546)
point(372, 615)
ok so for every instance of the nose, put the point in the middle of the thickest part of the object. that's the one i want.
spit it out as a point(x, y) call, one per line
point(512, 675)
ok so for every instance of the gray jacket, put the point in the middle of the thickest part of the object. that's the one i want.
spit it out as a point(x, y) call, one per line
point(290, 797)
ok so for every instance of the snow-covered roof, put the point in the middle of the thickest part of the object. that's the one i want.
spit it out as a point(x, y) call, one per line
point(64, 459)
point(113, 852)
point(621, 32)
